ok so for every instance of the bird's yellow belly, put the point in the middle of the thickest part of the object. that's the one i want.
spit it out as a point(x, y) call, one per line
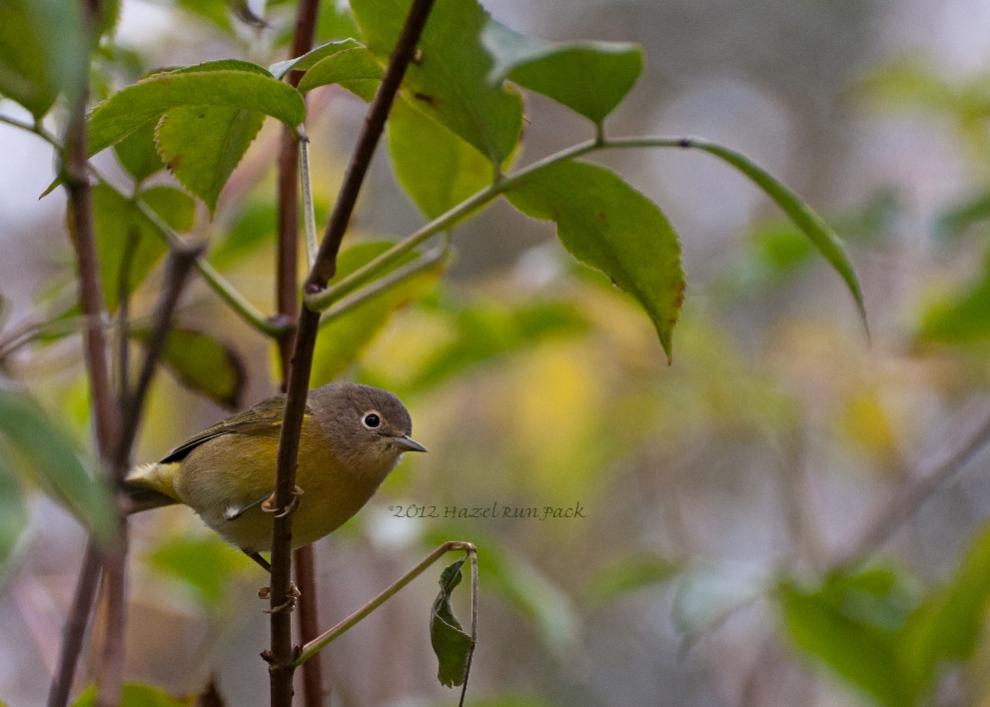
point(331, 493)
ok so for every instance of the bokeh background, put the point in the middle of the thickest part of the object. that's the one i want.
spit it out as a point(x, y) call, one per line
point(768, 446)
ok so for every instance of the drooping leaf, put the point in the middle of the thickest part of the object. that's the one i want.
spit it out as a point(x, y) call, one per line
point(436, 168)
point(852, 623)
point(203, 566)
point(117, 221)
point(50, 456)
point(312, 57)
point(34, 67)
point(451, 644)
point(948, 624)
point(137, 152)
point(607, 224)
point(629, 574)
point(13, 515)
point(448, 80)
point(355, 330)
point(203, 364)
point(591, 78)
point(354, 69)
point(201, 145)
point(810, 223)
point(135, 695)
point(235, 88)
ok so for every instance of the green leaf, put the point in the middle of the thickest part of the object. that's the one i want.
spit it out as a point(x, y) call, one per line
point(117, 221)
point(949, 623)
point(451, 644)
point(135, 695)
point(629, 574)
point(137, 153)
point(203, 364)
point(436, 168)
point(607, 224)
point(13, 514)
point(810, 223)
point(50, 456)
point(852, 624)
point(40, 49)
point(204, 567)
point(354, 331)
point(236, 88)
point(201, 145)
point(961, 317)
point(354, 69)
point(591, 78)
point(312, 57)
point(449, 79)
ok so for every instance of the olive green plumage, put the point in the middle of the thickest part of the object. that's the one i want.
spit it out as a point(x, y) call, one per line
point(352, 437)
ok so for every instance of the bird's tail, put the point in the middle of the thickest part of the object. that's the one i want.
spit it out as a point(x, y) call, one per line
point(147, 487)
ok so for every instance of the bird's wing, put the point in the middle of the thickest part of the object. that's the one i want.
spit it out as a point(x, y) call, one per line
point(265, 416)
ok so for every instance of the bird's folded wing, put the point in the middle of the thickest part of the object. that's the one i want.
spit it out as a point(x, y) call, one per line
point(265, 416)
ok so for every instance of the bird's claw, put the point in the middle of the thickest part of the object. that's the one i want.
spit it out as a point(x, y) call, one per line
point(268, 505)
point(287, 605)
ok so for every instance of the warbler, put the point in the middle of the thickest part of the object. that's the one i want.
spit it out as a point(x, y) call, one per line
point(352, 437)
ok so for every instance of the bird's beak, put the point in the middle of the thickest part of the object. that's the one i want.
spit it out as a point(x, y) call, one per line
point(408, 444)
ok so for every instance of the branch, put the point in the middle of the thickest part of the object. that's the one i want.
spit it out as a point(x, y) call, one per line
point(281, 653)
point(330, 635)
point(293, 165)
point(913, 495)
point(321, 299)
point(106, 420)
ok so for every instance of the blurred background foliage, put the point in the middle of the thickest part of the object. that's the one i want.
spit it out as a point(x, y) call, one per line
point(721, 493)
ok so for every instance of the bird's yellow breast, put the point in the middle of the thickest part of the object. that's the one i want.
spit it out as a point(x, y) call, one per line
point(236, 471)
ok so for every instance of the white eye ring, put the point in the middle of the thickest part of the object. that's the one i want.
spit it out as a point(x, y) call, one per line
point(372, 419)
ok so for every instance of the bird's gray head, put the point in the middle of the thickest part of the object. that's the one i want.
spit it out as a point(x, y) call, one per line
point(365, 425)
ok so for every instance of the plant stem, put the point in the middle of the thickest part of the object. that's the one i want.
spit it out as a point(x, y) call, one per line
point(309, 214)
point(323, 299)
point(400, 275)
point(91, 303)
point(330, 635)
point(293, 168)
point(281, 655)
point(227, 292)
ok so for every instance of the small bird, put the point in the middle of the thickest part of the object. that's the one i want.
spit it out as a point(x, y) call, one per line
point(352, 437)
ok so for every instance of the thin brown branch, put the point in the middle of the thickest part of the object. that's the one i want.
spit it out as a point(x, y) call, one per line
point(91, 303)
point(75, 626)
point(110, 677)
point(315, 690)
point(281, 654)
point(913, 495)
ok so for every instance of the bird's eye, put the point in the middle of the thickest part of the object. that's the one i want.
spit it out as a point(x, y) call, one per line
point(371, 420)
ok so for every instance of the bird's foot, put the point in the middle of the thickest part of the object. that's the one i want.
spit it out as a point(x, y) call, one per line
point(287, 605)
point(268, 505)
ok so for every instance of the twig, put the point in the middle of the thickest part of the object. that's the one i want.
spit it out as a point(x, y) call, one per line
point(227, 292)
point(309, 214)
point(403, 274)
point(293, 167)
point(912, 496)
point(106, 420)
point(110, 677)
point(75, 626)
point(330, 635)
point(281, 653)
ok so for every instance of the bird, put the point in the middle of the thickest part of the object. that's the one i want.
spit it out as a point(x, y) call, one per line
point(352, 436)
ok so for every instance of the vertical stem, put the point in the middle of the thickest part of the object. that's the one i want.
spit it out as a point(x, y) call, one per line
point(105, 413)
point(309, 216)
point(293, 162)
point(282, 653)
